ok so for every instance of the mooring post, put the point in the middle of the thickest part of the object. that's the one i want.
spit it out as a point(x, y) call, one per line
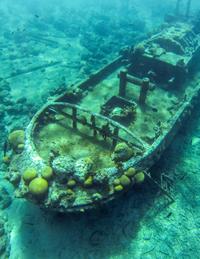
point(93, 121)
point(188, 8)
point(122, 82)
point(144, 89)
point(177, 9)
point(74, 119)
point(115, 139)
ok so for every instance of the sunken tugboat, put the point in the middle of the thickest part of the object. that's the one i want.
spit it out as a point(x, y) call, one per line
point(100, 137)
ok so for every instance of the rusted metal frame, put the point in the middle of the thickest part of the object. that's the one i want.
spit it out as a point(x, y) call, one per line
point(140, 144)
point(144, 84)
point(164, 190)
point(111, 122)
point(136, 80)
point(115, 136)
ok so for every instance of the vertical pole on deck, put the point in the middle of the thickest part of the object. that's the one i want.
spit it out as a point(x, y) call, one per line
point(93, 121)
point(177, 9)
point(144, 89)
point(115, 139)
point(74, 120)
point(122, 83)
point(188, 8)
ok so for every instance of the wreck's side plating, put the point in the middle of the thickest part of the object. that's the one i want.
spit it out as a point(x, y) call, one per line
point(100, 137)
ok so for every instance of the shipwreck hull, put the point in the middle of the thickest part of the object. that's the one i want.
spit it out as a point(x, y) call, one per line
point(151, 156)
point(101, 136)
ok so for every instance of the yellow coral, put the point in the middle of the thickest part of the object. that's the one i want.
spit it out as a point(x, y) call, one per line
point(88, 161)
point(20, 147)
point(122, 153)
point(88, 182)
point(70, 195)
point(124, 181)
point(38, 187)
point(130, 172)
point(29, 174)
point(71, 183)
point(6, 160)
point(47, 172)
point(118, 188)
point(116, 182)
point(16, 138)
point(139, 177)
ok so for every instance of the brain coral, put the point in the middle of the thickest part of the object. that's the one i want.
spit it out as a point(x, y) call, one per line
point(47, 172)
point(38, 187)
point(29, 174)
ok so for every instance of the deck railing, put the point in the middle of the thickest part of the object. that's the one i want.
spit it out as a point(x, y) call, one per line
point(97, 123)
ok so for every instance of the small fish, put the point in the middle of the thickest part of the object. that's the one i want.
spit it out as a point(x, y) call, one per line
point(171, 80)
point(37, 16)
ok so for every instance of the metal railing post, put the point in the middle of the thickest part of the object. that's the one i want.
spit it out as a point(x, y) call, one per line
point(177, 9)
point(188, 7)
point(122, 83)
point(144, 90)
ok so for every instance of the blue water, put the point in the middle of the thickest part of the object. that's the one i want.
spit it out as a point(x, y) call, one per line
point(45, 46)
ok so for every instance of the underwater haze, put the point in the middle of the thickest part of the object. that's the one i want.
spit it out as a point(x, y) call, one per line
point(50, 46)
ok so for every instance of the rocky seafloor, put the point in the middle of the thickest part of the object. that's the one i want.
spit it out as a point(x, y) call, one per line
point(41, 56)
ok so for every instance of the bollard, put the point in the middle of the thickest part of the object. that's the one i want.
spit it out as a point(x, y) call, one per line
point(177, 9)
point(187, 14)
point(93, 121)
point(144, 90)
point(122, 82)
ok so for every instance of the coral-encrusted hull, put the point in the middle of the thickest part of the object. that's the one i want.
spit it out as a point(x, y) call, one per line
point(99, 138)
point(30, 158)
